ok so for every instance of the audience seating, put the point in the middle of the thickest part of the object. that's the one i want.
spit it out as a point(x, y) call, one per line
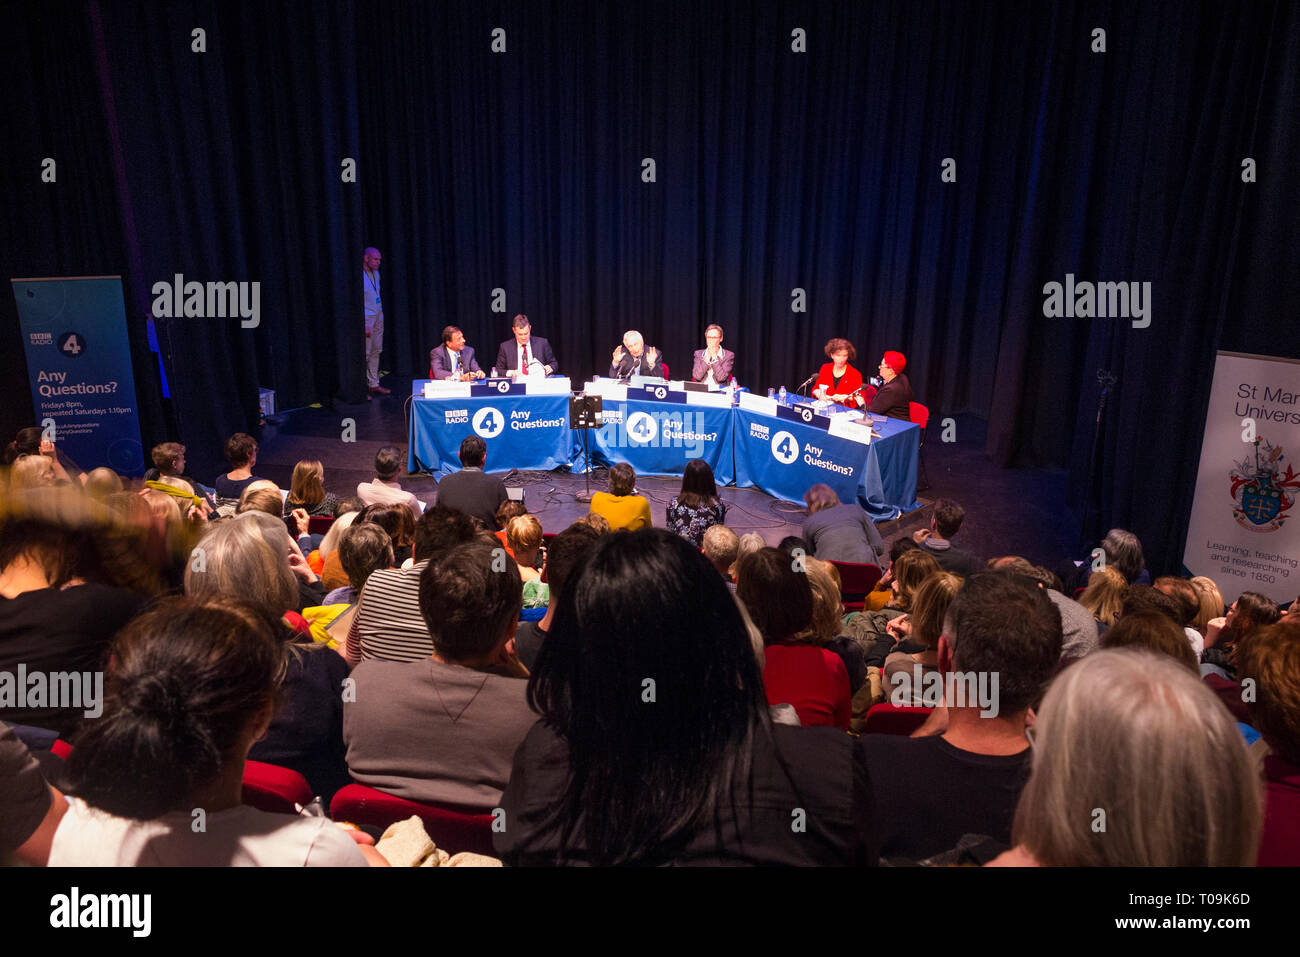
point(886, 718)
point(319, 524)
point(453, 831)
point(269, 787)
point(920, 414)
point(856, 582)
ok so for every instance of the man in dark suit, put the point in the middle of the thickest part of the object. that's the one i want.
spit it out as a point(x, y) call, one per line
point(714, 360)
point(526, 353)
point(453, 359)
point(470, 490)
point(633, 358)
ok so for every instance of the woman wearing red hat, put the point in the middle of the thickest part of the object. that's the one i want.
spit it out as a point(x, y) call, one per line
point(839, 381)
point(895, 396)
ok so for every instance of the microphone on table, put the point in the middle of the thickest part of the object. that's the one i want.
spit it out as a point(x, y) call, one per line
point(807, 382)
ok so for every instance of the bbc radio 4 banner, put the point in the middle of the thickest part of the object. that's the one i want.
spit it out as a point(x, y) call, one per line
point(1245, 526)
point(79, 365)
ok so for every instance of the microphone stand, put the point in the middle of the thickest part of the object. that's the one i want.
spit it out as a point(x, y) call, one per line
point(1106, 380)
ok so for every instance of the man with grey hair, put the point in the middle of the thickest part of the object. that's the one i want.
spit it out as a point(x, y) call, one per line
point(633, 358)
point(720, 545)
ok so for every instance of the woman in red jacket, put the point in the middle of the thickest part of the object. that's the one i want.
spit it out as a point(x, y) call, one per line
point(838, 381)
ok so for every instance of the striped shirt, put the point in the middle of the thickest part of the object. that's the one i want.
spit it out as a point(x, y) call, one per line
point(387, 624)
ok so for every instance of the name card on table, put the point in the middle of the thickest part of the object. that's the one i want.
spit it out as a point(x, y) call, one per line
point(719, 400)
point(806, 414)
point(846, 428)
point(551, 385)
point(656, 393)
point(499, 386)
point(446, 389)
point(611, 390)
point(758, 403)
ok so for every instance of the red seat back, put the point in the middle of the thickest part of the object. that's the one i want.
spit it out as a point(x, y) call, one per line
point(869, 393)
point(319, 524)
point(269, 787)
point(918, 414)
point(886, 718)
point(856, 580)
point(453, 831)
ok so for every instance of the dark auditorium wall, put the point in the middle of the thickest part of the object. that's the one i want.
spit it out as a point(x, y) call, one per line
point(775, 170)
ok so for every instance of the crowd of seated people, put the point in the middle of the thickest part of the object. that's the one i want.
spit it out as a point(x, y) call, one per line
point(691, 683)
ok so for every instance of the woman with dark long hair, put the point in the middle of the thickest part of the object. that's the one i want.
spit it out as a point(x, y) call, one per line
point(656, 745)
point(696, 507)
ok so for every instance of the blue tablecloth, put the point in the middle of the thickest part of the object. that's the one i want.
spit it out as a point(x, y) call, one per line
point(659, 438)
point(521, 432)
point(785, 457)
point(781, 455)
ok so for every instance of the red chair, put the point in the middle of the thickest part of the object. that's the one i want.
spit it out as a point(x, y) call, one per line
point(886, 718)
point(665, 367)
point(453, 831)
point(856, 582)
point(869, 393)
point(919, 414)
point(61, 749)
point(269, 787)
point(319, 524)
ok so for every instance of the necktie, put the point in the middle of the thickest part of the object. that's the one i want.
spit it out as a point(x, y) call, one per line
point(526, 359)
point(455, 363)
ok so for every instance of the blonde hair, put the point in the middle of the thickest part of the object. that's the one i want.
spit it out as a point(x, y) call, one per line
point(341, 524)
point(102, 482)
point(1104, 596)
point(909, 570)
point(234, 560)
point(1133, 736)
point(524, 533)
point(307, 487)
point(929, 606)
point(828, 612)
point(1207, 593)
point(161, 505)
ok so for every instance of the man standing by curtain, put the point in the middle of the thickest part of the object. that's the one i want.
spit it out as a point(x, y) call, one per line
point(370, 261)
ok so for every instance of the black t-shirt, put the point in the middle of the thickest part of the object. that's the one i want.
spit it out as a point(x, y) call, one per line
point(929, 793)
point(58, 631)
point(306, 733)
point(228, 488)
point(820, 771)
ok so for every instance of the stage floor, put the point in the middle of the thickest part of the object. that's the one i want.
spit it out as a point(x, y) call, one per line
point(1008, 511)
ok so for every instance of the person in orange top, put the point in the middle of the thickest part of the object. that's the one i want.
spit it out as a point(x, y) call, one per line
point(621, 506)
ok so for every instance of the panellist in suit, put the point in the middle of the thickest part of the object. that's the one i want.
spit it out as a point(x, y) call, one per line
point(633, 358)
point(713, 359)
point(523, 350)
point(453, 359)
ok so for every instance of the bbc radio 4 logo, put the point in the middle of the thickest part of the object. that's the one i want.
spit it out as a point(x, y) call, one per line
point(785, 448)
point(1263, 490)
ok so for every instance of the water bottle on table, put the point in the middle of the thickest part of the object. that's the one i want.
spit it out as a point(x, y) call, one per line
point(780, 396)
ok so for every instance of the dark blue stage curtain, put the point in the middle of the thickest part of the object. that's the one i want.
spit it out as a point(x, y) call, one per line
point(775, 170)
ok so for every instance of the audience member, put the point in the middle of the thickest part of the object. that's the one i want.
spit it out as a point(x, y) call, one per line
point(397, 522)
point(32, 808)
point(241, 453)
point(307, 491)
point(61, 600)
point(1080, 627)
point(883, 593)
point(1250, 611)
point(838, 532)
point(1121, 549)
point(564, 554)
point(1104, 596)
point(621, 506)
point(363, 550)
point(384, 489)
point(720, 545)
point(524, 540)
point(931, 791)
point(919, 629)
point(945, 523)
point(1210, 602)
point(871, 629)
point(387, 623)
point(191, 688)
point(101, 483)
point(1136, 765)
point(1154, 632)
point(510, 508)
point(828, 620)
point(1188, 603)
point(797, 671)
point(236, 562)
point(696, 507)
point(649, 651)
point(1270, 657)
point(444, 730)
point(472, 490)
